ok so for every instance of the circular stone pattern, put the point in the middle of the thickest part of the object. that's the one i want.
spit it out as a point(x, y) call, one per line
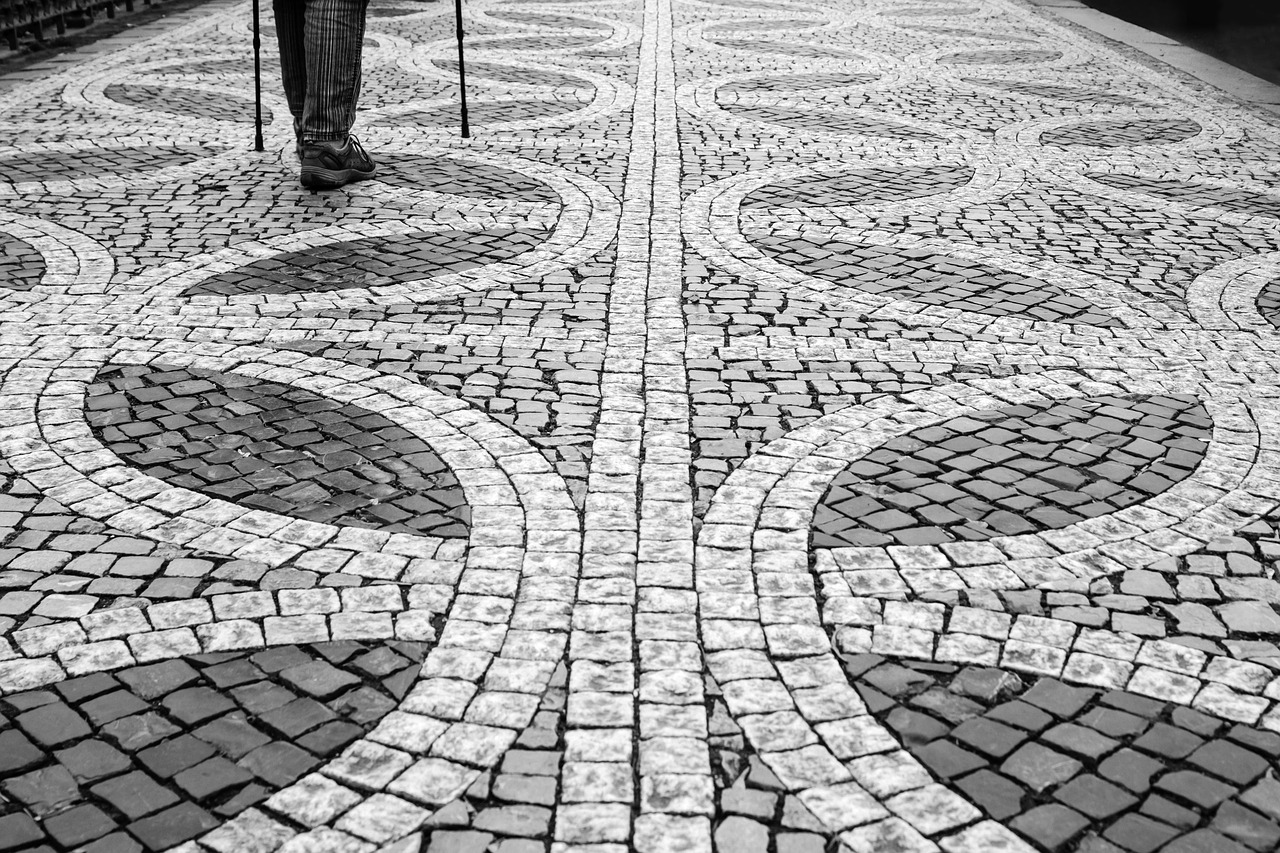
point(371, 262)
point(1123, 133)
point(161, 753)
point(513, 74)
point(794, 83)
point(1066, 766)
point(481, 113)
point(196, 103)
point(861, 187)
point(813, 121)
point(273, 447)
point(1000, 57)
point(97, 162)
point(21, 266)
point(462, 177)
point(1050, 91)
point(932, 279)
point(1194, 192)
point(1019, 469)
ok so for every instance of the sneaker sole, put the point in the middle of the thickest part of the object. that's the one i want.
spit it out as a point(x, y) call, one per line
point(332, 179)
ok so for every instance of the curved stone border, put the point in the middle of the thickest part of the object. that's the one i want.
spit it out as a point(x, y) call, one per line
point(713, 213)
point(1226, 297)
point(774, 658)
point(74, 263)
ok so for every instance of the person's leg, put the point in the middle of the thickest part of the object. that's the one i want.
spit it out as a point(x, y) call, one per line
point(334, 36)
point(290, 33)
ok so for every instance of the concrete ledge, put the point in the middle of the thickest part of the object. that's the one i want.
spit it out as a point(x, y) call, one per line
point(1215, 72)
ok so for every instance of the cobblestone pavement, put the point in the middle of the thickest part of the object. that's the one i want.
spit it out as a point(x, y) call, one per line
point(787, 426)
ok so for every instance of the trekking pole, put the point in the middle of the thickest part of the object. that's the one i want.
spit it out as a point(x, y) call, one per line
point(462, 70)
point(257, 81)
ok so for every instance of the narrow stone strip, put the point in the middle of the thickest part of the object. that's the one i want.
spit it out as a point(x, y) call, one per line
point(598, 787)
point(677, 798)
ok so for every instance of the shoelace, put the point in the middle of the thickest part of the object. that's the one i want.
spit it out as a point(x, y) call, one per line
point(355, 143)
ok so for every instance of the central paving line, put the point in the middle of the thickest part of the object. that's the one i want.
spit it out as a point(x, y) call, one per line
point(636, 727)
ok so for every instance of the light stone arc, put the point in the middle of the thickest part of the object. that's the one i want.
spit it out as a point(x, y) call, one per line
point(73, 261)
point(1226, 297)
point(754, 487)
point(481, 453)
point(712, 221)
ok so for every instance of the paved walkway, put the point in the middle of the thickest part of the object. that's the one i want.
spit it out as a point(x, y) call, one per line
point(784, 427)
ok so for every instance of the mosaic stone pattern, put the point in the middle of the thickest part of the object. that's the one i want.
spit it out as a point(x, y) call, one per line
point(1000, 57)
point(277, 448)
point(933, 280)
point(1014, 470)
point(796, 83)
point(97, 163)
point(1116, 134)
point(21, 266)
point(187, 102)
point(1196, 193)
point(372, 262)
point(829, 122)
point(1074, 768)
point(160, 753)
point(860, 187)
point(461, 177)
point(481, 113)
point(667, 466)
point(1055, 92)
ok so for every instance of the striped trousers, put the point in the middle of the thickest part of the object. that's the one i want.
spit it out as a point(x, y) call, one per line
point(320, 42)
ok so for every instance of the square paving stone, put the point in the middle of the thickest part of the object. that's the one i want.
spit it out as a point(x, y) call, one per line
point(1168, 741)
point(1050, 826)
point(1022, 715)
point(158, 679)
point(173, 826)
point(262, 696)
point(947, 760)
point(1079, 740)
point(193, 705)
point(134, 794)
point(1094, 797)
point(1193, 787)
point(1205, 841)
point(44, 791)
point(18, 830)
point(330, 738)
point(112, 706)
point(1114, 722)
point(173, 756)
point(996, 795)
point(77, 690)
point(278, 763)
point(1057, 698)
point(140, 731)
point(79, 825)
point(53, 725)
point(1167, 811)
point(17, 752)
point(1247, 826)
point(1133, 770)
point(319, 679)
point(93, 759)
point(232, 735)
point(1140, 834)
point(988, 737)
point(299, 716)
point(1039, 767)
point(1228, 761)
point(211, 777)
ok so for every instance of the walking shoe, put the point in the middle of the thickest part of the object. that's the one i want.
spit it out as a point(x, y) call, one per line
point(328, 165)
